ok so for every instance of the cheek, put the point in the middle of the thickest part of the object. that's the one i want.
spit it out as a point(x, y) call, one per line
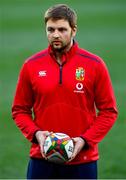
point(67, 36)
point(48, 36)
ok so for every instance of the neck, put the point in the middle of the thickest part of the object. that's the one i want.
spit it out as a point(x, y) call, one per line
point(58, 54)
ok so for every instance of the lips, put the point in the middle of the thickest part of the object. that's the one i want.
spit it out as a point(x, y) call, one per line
point(56, 43)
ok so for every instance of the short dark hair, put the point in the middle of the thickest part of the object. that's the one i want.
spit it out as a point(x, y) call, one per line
point(61, 11)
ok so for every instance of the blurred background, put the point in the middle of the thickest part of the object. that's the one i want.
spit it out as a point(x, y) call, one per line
point(101, 30)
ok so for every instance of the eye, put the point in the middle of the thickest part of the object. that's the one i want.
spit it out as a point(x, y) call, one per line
point(62, 29)
point(50, 29)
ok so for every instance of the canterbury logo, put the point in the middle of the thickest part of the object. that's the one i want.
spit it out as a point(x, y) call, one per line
point(42, 73)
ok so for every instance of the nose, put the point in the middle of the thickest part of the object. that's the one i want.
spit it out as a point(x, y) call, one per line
point(56, 34)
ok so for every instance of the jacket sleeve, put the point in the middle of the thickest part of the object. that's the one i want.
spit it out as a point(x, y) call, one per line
point(105, 104)
point(23, 104)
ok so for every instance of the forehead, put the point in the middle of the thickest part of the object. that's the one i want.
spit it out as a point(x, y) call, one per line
point(57, 23)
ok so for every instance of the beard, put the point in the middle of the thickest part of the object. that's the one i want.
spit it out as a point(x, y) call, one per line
point(60, 47)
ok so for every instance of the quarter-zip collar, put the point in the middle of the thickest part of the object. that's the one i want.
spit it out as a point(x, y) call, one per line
point(66, 56)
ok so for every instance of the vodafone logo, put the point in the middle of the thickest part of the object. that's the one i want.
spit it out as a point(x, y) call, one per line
point(79, 88)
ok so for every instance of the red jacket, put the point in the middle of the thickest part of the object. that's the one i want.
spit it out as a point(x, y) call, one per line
point(64, 98)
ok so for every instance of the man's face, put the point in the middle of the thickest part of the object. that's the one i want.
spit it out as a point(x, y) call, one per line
point(59, 34)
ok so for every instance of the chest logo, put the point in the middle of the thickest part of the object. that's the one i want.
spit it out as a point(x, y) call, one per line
point(80, 72)
point(42, 73)
point(79, 86)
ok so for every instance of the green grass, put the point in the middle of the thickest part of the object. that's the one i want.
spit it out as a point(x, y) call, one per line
point(101, 30)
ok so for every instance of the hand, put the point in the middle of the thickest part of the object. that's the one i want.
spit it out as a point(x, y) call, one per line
point(41, 136)
point(78, 145)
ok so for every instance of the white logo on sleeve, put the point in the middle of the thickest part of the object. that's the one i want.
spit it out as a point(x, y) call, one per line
point(42, 73)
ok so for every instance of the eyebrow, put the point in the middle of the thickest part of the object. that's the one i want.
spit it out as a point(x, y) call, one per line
point(60, 29)
point(51, 27)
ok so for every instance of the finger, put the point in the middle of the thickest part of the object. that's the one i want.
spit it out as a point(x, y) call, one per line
point(42, 151)
point(77, 148)
point(75, 152)
point(47, 133)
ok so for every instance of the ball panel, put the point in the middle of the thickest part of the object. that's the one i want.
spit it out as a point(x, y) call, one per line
point(61, 135)
point(48, 144)
point(58, 147)
point(56, 157)
point(69, 148)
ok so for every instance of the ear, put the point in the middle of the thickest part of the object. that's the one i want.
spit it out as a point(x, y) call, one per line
point(74, 31)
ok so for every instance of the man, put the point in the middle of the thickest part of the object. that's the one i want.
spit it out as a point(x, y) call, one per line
point(63, 87)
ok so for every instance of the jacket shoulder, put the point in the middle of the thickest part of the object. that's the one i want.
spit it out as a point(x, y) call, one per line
point(37, 56)
point(88, 55)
